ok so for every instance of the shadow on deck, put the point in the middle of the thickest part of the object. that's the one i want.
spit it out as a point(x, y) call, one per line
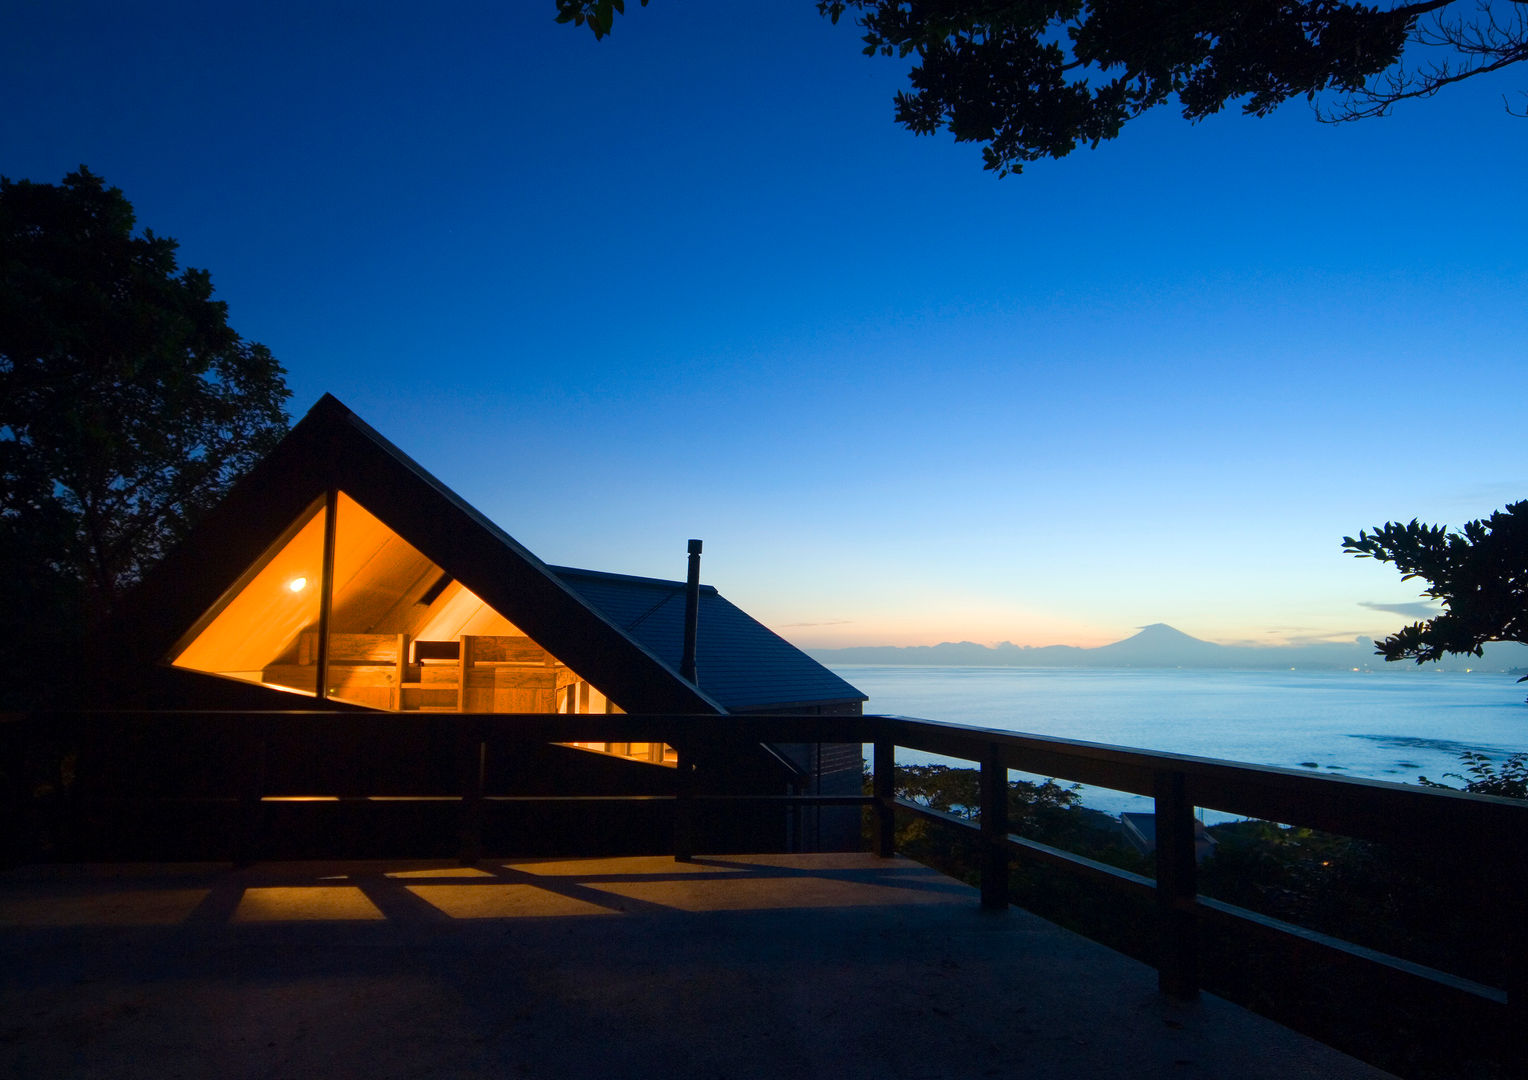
point(841, 965)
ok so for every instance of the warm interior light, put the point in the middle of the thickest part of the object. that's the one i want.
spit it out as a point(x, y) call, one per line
point(378, 620)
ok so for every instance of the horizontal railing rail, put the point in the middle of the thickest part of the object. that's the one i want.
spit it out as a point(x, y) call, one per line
point(1453, 826)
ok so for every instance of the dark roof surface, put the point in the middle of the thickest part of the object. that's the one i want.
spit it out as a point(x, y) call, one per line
point(739, 662)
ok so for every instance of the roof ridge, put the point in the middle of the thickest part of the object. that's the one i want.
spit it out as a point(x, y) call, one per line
point(635, 578)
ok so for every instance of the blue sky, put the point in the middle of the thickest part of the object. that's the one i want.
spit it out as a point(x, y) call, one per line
point(692, 281)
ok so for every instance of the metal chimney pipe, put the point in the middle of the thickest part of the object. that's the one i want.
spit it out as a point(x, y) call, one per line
point(691, 614)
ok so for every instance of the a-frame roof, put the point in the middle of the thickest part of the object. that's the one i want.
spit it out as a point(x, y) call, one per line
point(569, 613)
point(332, 448)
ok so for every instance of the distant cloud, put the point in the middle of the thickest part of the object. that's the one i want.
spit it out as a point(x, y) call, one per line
point(1415, 610)
point(1297, 636)
point(830, 622)
point(1340, 637)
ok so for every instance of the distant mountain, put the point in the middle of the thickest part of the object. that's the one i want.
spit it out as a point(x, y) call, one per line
point(1161, 646)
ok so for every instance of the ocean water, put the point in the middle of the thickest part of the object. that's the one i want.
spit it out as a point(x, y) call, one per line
point(1382, 725)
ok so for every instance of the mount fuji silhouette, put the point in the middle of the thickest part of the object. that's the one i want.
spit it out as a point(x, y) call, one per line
point(1161, 646)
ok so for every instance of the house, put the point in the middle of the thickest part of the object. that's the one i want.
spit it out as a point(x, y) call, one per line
point(1140, 830)
point(341, 571)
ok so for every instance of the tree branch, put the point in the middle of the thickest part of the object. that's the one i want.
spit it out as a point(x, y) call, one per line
point(1483, 45)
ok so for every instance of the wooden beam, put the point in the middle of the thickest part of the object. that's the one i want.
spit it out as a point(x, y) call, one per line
point(326, 593)
point(883, 782)
point(1178, 961)
point(994, 798)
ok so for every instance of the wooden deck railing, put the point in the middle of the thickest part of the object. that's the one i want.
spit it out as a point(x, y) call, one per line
point(1452, 825)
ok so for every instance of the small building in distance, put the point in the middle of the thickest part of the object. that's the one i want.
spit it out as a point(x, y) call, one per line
point(340, 571)
point(1140, 830)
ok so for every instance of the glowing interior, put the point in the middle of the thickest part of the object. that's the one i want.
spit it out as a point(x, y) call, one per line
point(402, 635)
point(254, 626)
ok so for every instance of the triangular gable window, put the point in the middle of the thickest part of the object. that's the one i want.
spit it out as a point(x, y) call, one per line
point(355, 613)
point(257, 622)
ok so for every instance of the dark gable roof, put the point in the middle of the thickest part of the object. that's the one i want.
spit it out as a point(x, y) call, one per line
point(331, 447)
point(738, 661)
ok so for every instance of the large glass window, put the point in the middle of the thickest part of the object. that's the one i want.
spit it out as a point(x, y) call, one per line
point(254, 633)
point(401, 633)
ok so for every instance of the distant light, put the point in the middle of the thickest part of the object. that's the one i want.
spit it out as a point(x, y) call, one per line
point(298, 584)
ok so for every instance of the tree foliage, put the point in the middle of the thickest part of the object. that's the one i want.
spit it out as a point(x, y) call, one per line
point(1479, 572)
point(1482, 776)
point(954, 790)
point(1034, 78)
point(1046, 811)
point(127, 403)
point(597, 15)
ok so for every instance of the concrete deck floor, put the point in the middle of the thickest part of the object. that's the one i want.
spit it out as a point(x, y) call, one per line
point(775, 966)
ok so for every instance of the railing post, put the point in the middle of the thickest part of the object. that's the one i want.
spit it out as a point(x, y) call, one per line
point(472, 759)
point(684, 806)
point(1512, 878)
point(16, 753)
point(251, 809)
point(994, 798)
point(883, 779)
point(1178, 959)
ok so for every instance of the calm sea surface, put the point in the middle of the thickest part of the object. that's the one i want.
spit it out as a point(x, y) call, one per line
point(1387, 726)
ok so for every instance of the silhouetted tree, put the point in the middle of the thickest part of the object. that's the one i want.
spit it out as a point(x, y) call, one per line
point(1479, 571)
point(1485, 777)
point(598, 15)
point(127, 404)
point(1034, 79)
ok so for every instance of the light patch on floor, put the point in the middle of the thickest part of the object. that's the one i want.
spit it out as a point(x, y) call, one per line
point(149, 907)
point(503, 902)
point(305, 904)
point(442, 872)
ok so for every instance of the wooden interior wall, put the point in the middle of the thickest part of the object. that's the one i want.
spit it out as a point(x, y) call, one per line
point(259, 623)
point(386, 596)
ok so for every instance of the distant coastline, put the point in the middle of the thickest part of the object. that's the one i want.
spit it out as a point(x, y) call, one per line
point(1161, 646)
